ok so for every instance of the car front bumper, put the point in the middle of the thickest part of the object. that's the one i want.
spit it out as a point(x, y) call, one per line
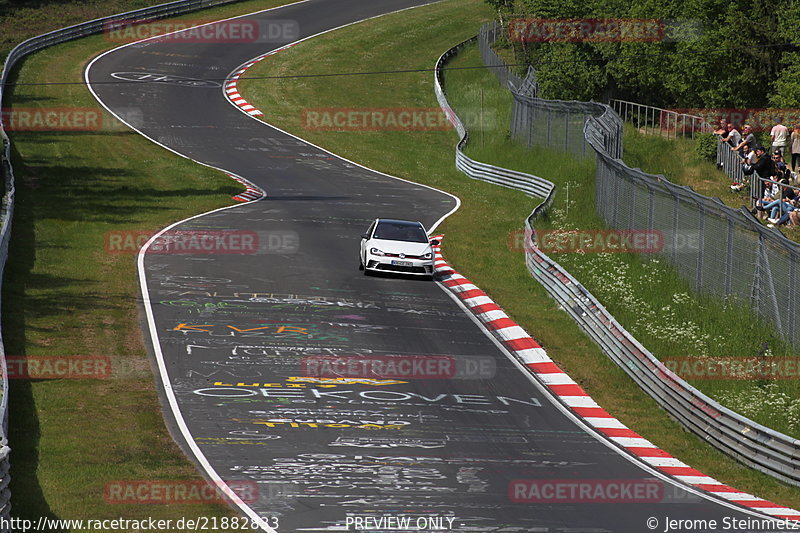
point(421, 267)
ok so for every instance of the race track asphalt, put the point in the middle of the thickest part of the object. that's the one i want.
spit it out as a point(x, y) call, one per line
point(238, 330)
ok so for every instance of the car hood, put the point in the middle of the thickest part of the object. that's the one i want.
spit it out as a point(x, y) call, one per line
point(400, 247)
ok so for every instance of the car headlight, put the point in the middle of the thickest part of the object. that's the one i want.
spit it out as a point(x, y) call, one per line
point(428, 255)
point(375, 251)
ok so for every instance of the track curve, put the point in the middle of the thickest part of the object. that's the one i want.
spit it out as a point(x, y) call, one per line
point(231, 333)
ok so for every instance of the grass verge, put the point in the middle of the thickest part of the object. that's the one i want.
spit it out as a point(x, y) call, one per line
point(21, 21)
point(489, 213)
point(65, 295)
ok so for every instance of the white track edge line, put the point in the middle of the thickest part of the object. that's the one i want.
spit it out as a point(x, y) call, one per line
point(553, 398)
point(201, 458)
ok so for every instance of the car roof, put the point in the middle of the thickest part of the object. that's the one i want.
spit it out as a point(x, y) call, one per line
point(400, 222)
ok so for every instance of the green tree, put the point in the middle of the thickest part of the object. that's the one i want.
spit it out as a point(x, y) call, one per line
point(716, 54)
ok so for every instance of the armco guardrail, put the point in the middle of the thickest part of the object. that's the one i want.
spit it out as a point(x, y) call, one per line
point(527, 183)
point(757, 446)
point(7, 210)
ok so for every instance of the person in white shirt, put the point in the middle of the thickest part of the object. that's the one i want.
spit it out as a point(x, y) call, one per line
point(780, 137)
point(731, 136)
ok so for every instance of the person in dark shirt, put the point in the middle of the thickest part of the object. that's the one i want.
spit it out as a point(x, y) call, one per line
point(763, 166)
point(781, 170)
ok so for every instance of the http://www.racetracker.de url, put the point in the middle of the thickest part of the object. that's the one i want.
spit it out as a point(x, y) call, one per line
point(209, 524)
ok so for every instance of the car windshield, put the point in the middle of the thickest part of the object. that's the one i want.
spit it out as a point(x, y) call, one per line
point(400, 231)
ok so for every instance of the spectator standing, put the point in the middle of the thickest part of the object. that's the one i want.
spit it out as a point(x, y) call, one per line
point(796, 148)
point(779, 135)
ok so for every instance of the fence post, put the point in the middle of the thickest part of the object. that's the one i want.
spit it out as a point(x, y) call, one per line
point(638, 117)
point(584, 142)
point(701, 242)
point(530, 115)
point(675, 210)
point(755, 287)
point(615, 194)
point(729, 257)
point(773, 297)
point(633, 206)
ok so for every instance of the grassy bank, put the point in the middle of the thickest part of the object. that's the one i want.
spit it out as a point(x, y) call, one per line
point(488, 214)
point(22, 20)
point(66, 295)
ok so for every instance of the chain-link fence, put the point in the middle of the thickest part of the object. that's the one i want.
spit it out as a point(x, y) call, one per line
point(720, 250)
point(487, 39)
point(559, 124)
point(553, 123)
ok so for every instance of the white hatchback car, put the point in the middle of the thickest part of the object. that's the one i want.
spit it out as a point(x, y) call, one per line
point(399, 246)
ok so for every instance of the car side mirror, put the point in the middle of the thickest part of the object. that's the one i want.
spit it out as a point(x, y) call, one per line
point(435, 242)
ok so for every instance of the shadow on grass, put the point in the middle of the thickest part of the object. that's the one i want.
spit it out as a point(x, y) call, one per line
point(54, 195)
point(75, 193)
point(23, 424)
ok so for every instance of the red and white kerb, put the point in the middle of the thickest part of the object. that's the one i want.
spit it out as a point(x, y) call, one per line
point(535, 358)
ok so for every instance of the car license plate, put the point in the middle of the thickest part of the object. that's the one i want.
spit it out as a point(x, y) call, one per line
point(402, 263)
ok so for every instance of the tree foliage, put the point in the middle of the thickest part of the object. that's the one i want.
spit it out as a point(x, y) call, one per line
point(712, 54)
